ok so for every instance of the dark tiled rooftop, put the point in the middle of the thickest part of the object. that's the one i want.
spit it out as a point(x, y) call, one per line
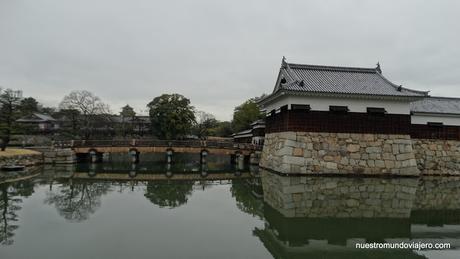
point(346, 80)
point(442, 105)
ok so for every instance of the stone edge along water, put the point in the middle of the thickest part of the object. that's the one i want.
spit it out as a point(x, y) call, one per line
point(358, 154)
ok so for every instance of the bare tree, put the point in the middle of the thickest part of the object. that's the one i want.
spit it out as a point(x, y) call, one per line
point(204, 122)
point(90, 107)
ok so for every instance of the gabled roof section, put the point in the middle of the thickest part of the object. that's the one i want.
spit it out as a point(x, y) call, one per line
point(437, 105)
point(37, 117)
point(243, 134)
point(339, 80)
point(258, 122)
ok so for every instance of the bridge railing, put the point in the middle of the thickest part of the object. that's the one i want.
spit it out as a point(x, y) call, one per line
point(156, 143)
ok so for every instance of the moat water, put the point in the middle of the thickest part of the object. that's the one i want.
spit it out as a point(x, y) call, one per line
point(186, 210)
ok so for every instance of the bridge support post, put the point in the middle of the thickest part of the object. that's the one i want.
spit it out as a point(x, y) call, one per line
point(169, 173)
point(232, 159)
point(240, 161)
point(94, 157)
point(134, 156)
point(169, 155)
point(204, 170)
point(106, 157)
point(92, 170)
point(204, 155)
point(133, 171)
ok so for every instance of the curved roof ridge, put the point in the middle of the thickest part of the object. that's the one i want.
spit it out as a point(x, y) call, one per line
point(444, 97)
point(333, 68)
point(403, 88)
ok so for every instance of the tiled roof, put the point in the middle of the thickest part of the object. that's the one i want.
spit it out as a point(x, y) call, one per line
point(261, 121)
point(36, 117)
point(441, 105)
point(345, 80)
point(244, 133)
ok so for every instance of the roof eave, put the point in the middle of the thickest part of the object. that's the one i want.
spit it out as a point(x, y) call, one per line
point(274, 96)
point(439, 114)
point(424, 93)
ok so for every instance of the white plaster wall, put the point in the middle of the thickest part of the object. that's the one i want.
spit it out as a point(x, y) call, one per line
point(354, 105)
point(424, 119)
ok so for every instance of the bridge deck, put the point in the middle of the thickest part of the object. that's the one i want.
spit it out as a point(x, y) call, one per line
point(159, 146)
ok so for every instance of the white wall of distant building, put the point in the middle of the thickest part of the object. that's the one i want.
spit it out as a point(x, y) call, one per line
point(354, 105)
point(446, 120)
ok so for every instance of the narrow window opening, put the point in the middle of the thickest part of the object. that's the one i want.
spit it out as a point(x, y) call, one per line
point(338, 109)
point(376, 111)
point(303, 107)
point(435, 124)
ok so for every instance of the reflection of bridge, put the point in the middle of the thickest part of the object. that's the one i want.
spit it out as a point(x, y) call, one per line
point(95, 148)
point(158, 177)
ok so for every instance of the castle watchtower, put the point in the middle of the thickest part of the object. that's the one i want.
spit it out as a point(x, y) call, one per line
point(339, 120)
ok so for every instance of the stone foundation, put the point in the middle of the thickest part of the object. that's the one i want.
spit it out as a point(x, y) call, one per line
point(59, 156)
point(437, 157)
point(339, 153)
point(340, 197)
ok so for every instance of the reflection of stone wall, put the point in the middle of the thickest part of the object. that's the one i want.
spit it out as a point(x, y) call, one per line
point(302, 196)
point(436, 156)
point(58, 170)
point(338, 153)
point(438, 193)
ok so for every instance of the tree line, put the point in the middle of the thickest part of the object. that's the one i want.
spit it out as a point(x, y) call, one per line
point(83, 115)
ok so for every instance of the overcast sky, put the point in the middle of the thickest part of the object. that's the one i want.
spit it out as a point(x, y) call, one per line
point(218, 53)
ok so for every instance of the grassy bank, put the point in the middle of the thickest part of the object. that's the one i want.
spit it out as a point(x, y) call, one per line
point(10, 152)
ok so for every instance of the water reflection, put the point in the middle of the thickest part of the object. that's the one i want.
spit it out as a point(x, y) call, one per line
point(310, 217)
point(340, 197)
point(11, 197)
point(77, 200)
point(165, 194)
point(248, 195)
point(300, 217)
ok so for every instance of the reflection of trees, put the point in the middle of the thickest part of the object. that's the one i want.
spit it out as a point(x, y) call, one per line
point(9, 206)
point(76, 201)
point(245, 193)
point(166, 194)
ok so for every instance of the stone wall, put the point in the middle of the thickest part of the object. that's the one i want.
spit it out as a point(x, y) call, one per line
point(24, 160)
point(439, 157)
point(341, 197)
point(339, 153)
point(59, 156)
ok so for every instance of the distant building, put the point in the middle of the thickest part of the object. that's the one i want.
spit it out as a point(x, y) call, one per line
point(39, 122)
point(436, 110)
point(244, 136)
point(255, 135)
point(258, 132)
point(436, 118)
point(139, 125)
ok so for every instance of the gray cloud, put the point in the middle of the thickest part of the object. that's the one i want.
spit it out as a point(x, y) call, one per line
point(218, 53)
